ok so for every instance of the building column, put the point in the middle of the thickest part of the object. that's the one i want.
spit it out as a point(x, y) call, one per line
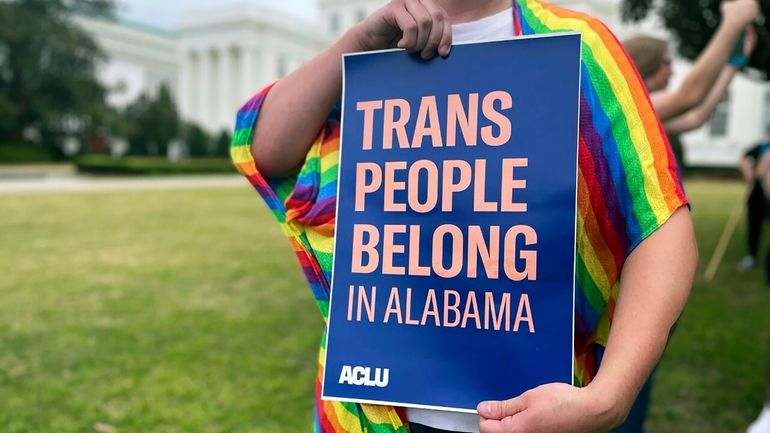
point(185, 88)
point(203, 88)
point(208, 89)
point(224, 108)
point(194, 97)
point(248, 85)
point(269, 66)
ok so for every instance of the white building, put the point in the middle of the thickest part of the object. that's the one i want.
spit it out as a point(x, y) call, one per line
point(219, 56)
point(339, 15)
point(226, 54)
point(141, 58)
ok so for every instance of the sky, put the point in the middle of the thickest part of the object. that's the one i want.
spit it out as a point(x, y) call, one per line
point(166, 14)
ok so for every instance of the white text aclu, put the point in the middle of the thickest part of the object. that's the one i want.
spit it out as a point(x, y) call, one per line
point(365, 376)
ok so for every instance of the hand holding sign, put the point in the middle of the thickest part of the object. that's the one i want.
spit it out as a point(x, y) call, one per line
point(554, 407)
point(415, 25)
point(453, 272)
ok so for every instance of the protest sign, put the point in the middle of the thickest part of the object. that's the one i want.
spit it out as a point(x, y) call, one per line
point(454, 258)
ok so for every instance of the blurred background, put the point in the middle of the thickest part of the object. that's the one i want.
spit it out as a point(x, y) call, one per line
point(145, 287)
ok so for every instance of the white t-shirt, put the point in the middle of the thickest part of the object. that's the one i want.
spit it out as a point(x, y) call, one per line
point(498, 26)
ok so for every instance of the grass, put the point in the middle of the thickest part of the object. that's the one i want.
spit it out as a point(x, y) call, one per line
point(152, 312)
point(713, 375)
point(185, 311)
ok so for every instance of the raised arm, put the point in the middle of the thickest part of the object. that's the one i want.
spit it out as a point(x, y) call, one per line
point(298, 104)
point(696, 117)
point(736, 15)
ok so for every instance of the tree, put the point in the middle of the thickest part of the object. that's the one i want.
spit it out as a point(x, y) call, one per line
point(154, 122)
point(223, 144)
point(47, 67)
point(197, 140)
point(693, 22)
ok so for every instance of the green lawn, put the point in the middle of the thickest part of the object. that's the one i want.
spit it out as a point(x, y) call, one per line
point(712, 378)
point(177, 311)
point(185, 311)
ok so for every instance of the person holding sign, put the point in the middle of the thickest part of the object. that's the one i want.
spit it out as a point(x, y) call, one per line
point(636, 252)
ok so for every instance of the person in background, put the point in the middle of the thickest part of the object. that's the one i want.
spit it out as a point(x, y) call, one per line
point(750, 164)
point(691, 105)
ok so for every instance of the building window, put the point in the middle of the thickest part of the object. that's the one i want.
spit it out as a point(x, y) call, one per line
point(718, 123)
point(334, 24)
point(360, 15)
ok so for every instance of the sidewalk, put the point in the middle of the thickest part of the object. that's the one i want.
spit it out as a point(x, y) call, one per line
point(63, 183)
point(35, 171)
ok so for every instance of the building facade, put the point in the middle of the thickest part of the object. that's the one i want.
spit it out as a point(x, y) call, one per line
point(140, 58)
point(218, 57)
point(226, 54)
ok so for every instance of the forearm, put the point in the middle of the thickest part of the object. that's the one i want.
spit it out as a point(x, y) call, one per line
point(707, 67)
point(696, 117)
point(296, 108)
point(654, 287)
point(701, 77)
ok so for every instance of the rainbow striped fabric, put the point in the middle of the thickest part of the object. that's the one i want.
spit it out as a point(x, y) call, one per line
point(628, 186)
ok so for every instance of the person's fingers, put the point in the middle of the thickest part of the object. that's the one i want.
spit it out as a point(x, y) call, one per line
point(754, 6)
point(445, 46)
point(490, 410)
point(490, 426)
point(743, 11)
point(424, 23)
point(506, 425)
point(501, 409)
point(439, 20)
point(408, 27)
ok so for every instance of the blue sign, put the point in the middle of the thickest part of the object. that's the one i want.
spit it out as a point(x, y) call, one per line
point(454, 259)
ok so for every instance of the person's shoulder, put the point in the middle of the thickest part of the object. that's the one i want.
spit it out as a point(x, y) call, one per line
point(553, 18)
point(564, 16)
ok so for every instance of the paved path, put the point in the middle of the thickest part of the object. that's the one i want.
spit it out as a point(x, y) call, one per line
point(65, 183)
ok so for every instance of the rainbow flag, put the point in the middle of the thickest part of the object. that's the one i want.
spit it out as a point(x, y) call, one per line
point(628, 186)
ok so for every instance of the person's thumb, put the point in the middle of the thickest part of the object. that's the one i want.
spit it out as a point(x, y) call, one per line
point(500, 409)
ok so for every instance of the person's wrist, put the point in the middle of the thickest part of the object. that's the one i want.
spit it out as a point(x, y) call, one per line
point(738, 60)
point(608, 403)
point(355, 39)
point(735, 21)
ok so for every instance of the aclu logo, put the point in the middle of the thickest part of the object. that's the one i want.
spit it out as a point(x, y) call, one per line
point(364, 376)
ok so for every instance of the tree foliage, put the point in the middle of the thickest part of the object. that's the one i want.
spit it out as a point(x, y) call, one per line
point(223, 143)
point(693, 22)
point(198, 141)
point(153, 123)
point(47, 67)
